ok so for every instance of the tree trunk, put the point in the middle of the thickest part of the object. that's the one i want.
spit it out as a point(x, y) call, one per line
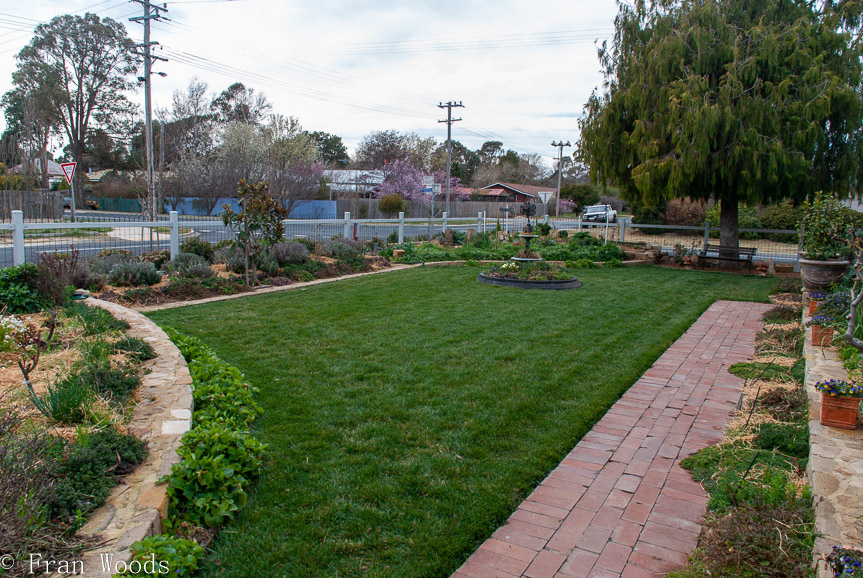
point(729, 243)
point(78, 152)
point(43, 164)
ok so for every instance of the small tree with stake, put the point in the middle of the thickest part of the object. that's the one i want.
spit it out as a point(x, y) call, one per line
point(257, 224)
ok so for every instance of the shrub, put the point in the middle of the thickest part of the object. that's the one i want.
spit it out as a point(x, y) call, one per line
point(266, 263)
point(132, 274)
point(88, 472)
point(28, 464)
point(17, 291)
point(781, 216)
point(95, 320)
point(290, 252)
point(205, 491)
point(581, 194)
point(686, 213)
point(190, 265)
point(563, 234)
point(157, 258)
point(393, 237)
point(65, 402)
point(83, 278)
point(232, 258)
point(135, 347)
point(117, 382)
point(107, 259)
point(9, 326)
point(648, 216)
point(481, 240)
point(173, 556)
point(242, 452)
point(543, 229)
point(391, 204)
point(54, 279)
point(790, 439)
point(198, 246)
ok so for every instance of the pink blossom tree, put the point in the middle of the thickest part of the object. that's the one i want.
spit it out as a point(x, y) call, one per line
point(405, 180)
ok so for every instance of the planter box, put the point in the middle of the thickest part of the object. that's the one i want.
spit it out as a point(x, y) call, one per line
point(821, 335)
point(839, 411)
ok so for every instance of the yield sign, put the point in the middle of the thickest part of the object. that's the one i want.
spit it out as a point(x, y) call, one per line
point(69, 171)
point(545, 195)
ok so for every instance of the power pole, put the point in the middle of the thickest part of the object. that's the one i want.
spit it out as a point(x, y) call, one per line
point(559, 146)
point(449, 120)
point(151, 12)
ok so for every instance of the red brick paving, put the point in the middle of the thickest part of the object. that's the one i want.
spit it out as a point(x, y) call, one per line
point(619, 505)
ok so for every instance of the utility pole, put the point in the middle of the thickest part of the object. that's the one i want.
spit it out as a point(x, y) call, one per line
point(151, 12)
point(449, 120)
point(559, 146)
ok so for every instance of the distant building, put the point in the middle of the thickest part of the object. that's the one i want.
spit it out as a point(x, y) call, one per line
point(349, 182)
point(55, 171)
point(511, 192)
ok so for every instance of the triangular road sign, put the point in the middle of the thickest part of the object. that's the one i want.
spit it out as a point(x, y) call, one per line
point(69, 171)
point(545, 195)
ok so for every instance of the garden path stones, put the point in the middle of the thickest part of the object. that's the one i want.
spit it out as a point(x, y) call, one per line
point(137, 505)
point(619, 504)
point(835, 467)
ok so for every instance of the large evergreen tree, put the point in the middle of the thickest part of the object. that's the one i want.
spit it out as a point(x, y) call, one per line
point(88, 62)
point(747, 101)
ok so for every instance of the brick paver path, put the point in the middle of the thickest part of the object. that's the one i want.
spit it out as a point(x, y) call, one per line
point(619, 504)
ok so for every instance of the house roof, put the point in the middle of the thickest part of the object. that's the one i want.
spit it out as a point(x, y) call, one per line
point(498, 192)
point(528, 190)
point(54, 168)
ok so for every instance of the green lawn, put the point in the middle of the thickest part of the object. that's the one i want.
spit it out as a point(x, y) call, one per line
point(409, 413)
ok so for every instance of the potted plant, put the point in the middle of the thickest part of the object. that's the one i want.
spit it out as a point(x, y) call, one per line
point(839, 403)
point(822, 330)
point(845, 561)
point(824, 250)
point(814, 300)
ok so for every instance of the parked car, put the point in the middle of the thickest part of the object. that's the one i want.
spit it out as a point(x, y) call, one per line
point(599, 214)
point(89, 203)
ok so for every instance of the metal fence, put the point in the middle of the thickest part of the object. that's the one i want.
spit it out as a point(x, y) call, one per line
point(23, 241)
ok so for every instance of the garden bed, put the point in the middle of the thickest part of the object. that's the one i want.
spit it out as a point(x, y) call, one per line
point(68, 435)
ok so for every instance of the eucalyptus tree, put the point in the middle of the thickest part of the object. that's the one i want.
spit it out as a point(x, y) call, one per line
point(748, 101)
point(84, 63)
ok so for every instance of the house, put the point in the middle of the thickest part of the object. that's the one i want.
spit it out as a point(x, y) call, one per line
point(55, 171)
point(511, 192)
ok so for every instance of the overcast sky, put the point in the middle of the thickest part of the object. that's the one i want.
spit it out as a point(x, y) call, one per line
point(523, 69)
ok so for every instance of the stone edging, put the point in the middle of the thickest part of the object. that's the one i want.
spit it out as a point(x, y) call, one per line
point(137, 505)
point(835, 467)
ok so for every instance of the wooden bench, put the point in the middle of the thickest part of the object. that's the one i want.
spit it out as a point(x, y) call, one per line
point(711, 252)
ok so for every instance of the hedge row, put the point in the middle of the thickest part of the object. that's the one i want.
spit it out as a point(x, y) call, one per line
point(219, 457)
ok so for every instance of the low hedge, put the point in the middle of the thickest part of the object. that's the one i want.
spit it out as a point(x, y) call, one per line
point(219, 457)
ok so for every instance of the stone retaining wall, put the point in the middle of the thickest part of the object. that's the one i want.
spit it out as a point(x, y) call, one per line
point(835, 467)
point(136, 506)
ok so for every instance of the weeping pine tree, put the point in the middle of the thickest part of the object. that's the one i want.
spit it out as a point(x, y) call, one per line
point(750, 101)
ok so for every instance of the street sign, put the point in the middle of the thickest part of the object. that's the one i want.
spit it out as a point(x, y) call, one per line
point(428, 180)
point(545, 196)
point(69, 171)
point(427, 190)
point(436, 188)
